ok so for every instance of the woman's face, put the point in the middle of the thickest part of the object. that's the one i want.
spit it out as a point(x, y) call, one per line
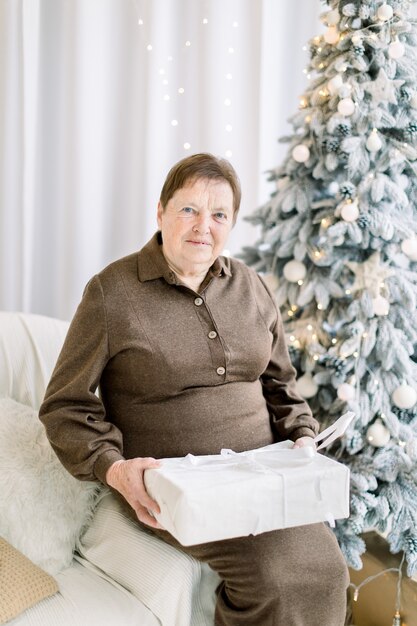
point(195, 225)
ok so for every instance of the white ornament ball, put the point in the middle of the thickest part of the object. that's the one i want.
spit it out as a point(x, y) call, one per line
point(349, 211)
point(385, 12)
point(380, 305)
point(404, 397)
point(331, 35)
point(294, 271)
point(306, 386)
point(396, 50)
point(346, 392)
point(377, 434)
point(334, 84)
point(346, 107)
point(409, 247)
point(301, 153)
point(373, 143)
point(341, 66)
point(332, 17)
point(413, 101)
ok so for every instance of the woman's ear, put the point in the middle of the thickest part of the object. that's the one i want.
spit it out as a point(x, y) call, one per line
point(159, 214)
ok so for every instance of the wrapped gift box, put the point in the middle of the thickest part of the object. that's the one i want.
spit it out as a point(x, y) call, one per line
point(209, 498)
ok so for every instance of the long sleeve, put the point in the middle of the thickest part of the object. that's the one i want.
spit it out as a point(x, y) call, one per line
point(291, 416)
point(85, 441)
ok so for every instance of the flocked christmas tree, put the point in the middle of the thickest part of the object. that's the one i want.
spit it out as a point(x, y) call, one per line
point(339, 238)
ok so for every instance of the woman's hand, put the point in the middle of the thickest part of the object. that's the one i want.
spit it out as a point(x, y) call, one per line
point(302, 442)
point(127, 478)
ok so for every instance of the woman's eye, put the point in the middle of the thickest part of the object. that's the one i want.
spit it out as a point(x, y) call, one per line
point(220, 215)
point(188, 209)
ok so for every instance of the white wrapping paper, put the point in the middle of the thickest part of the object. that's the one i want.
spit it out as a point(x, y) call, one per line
point(209, 498)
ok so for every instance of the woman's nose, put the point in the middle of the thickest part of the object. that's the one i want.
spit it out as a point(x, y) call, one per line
point(202, 223)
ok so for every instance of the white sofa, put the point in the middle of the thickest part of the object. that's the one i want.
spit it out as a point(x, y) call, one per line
point(109, 573)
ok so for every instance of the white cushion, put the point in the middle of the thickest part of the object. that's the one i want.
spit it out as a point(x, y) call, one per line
point(29, 348)
point(42, 507)
point(86, 599)
point(175, 587)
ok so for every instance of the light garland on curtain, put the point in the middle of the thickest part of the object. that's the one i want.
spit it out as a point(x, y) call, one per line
point(173, 90)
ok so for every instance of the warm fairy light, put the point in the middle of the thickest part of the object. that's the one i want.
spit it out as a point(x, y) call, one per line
point(149, 47)
point(325, 222)
point(315, 357)
point(140, 22)
point(290, 313)
point(309, 327)
point(297, 344)
point(205, 21)
point(187, 145)
point(228, 154)
point(188, 44)
point(334, 341)
point(174, 122)
point(294, 307)
point(181, 90)
point(348, 292)
point(300, 282)
point(320, 307)
point(307, 119)
point(323, 93)
point(356, 354)
point(364, 335)
point(303, 103)
point(292, 338)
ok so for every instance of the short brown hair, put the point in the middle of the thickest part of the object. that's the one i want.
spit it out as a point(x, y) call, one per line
point(200, 166)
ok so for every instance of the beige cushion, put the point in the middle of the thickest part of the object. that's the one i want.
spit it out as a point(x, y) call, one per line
point(22, 583)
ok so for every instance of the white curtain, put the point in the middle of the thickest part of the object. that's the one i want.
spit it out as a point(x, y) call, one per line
point(98, 98)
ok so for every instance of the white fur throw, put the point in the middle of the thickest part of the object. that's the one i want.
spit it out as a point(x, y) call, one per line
point(42, 507)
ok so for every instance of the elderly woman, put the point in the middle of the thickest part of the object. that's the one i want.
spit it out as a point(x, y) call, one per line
point(188, 351)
